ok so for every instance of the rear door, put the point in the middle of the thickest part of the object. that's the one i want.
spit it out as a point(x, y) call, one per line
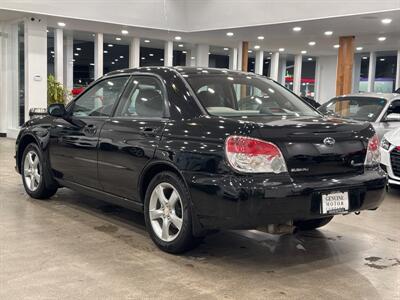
point(129, 139)
point(74, 140)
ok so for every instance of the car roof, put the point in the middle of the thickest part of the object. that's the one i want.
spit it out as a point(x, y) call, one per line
point(387, 96)
point(182, 70)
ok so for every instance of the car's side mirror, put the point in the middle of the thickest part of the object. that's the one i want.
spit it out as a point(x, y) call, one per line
point(392, 117)
point(57, 110)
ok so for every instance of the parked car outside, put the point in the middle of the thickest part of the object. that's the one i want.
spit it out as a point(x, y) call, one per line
point(198, 149)
point(390, 160)
point(382, 110)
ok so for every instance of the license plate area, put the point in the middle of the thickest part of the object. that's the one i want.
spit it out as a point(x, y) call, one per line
point(336, 202)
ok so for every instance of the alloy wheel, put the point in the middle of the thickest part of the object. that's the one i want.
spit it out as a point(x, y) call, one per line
point(166, 212)
point(32, 172)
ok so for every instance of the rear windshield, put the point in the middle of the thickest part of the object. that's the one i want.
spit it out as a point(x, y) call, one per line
point(356, 108)
point(238, 95)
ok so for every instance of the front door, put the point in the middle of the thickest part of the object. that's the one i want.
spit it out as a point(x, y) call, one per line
point(74, 140)
point(129, 139)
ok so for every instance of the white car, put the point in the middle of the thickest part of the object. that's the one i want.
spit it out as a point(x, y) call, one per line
point(390, 156)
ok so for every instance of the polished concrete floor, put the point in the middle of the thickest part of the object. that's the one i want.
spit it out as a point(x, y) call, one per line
point(75, 247)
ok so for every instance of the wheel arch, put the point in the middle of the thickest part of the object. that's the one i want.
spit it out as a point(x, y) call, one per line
point(24, 141)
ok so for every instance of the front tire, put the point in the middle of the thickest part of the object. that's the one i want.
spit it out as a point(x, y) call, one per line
point(312, 224)
point(167, 211)
point(35, 175)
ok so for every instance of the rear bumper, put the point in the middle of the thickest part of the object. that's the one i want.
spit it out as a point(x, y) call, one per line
point(240, 202)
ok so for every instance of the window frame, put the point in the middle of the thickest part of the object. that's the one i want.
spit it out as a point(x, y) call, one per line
point(71, 105)
point(127, 92)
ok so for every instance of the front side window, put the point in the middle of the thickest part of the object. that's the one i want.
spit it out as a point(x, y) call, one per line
point(240, 95)
point(144, 100)
point(357, 108)
point(99, 100)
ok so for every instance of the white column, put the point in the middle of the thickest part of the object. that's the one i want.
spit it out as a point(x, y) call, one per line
point(202, 55)
point(298, 61)
point(356, 73)
point(98, 55)
point(274, 73)
point(3, 101)
point(259, 63)
point(398, 70)
point(134, 53)
point(35, 39)
point(58, 54)
point(239, 56)
point(190, 59)
point(68, 63)
point(168, 53)
point(233, 59)
point(282, 70)
point(371, 71)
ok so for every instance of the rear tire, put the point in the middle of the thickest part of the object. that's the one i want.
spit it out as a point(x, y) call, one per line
point(36, 176)
point(312, 224)
point(167, 211)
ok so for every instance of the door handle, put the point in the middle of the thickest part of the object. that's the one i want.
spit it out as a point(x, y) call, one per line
point(90, 129)
point(148, 131)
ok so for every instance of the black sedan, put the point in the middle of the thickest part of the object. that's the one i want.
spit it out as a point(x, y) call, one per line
point(198, 149)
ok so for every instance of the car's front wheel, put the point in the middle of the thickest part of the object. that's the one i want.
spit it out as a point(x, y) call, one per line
point(312, 224)
point(35, 176)
point(168, 213)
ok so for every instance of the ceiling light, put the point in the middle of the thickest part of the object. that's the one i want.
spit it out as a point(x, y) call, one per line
point(381, 38)
point(386, 21)
point(47, 30)
point(365, 57)
point(193, 57)
point(113, 63)
point(117, 38)
point(359, 48)
point(209, 53)
point(116, 59)
point(73, 60)
point(229, 34)
point(78, 49)
point(180, 45)
point(309, 59)
point(226, 49)
point(336, 46)
point(177, 38)
point(281, 49)
point(105, 51)
point(92, 64)
point(303, 52)
point(260, 37)
point(184, 52)
point(151, 54)
point(161, 59)
point(124, 31)
point(52, 52)
point(256, 47)
point(250, 51)
point(147, 41)
point(328, 33)
point(61, 24)
point(312, 43)
point(110, 45)
point(296, 29)
point(121, 56)
point(382, 59)
point(76, 54)
point(143, 58)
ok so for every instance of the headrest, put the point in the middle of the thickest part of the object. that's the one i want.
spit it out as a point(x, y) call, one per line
point(149, 103)
point(209, 99)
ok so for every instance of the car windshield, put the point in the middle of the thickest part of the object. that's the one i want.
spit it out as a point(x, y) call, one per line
point(357, 108)
point(239, 95)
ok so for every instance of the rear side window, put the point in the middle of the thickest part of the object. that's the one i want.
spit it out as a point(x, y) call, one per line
point(145, 99)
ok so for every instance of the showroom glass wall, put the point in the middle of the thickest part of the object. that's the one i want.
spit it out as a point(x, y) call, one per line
point(308, 69)
point(385, 72)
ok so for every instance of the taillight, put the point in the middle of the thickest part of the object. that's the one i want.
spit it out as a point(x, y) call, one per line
point(252, 155)
point(373, 156)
